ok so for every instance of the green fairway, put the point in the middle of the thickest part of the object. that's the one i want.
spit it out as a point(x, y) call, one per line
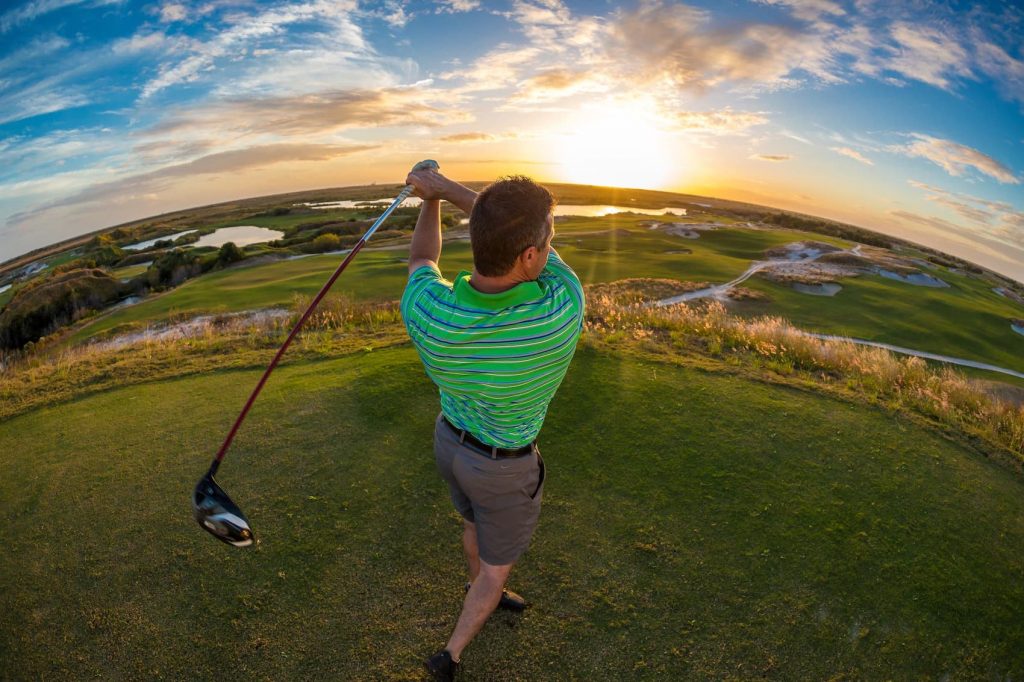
point(966, 320)
point(696, 526)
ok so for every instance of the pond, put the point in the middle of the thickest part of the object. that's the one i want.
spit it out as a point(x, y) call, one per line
point(241, 235)
point(149, 242)
point(5, 288)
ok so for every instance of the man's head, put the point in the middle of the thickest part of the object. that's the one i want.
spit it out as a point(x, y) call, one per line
point(511, 217)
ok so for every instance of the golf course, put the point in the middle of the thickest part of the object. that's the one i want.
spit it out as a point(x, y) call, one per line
point(725, 498)
point(723, 528)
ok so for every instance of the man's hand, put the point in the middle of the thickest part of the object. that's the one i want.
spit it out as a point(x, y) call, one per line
point(431, 185)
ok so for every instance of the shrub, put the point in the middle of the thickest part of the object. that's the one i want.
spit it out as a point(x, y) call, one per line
point(173, 268)
point(229, 253)
point(37, 311)
point(326, 242)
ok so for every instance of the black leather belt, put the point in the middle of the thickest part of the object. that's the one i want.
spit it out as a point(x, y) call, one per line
point(465, 437)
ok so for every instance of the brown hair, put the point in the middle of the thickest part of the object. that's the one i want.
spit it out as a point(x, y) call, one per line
point(509, 216)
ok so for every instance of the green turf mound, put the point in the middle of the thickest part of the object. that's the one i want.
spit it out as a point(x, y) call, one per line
point(696, 526)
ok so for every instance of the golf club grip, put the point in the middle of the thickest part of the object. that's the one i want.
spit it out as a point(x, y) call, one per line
point(402, 196)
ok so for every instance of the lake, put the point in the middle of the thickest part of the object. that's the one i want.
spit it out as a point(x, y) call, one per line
point(241, 235)
point(149, 242)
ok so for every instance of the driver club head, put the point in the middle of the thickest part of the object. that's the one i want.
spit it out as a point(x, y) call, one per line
point(218, 515)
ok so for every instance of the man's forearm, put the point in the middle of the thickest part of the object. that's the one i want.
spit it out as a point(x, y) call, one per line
point(461, 196)
point(426, 238)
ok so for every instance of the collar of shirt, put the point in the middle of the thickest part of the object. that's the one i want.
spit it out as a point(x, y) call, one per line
point(524, 292)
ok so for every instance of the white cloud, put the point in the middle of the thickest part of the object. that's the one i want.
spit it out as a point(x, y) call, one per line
point(998, 220)
point(247, 30)
point(173, 11)
point(231, 161)
point(853, 154)
point(956, 158)
point(452, 6)
point(928, 54)
point(776, 158)
point(722, 122)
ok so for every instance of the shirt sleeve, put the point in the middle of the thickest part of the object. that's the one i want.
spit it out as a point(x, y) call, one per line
point(421, 280)
point(558, 268)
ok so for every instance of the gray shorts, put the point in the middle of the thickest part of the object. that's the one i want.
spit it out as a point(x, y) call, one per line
point(501, 496)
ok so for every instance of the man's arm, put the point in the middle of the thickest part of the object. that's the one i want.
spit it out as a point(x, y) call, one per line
point(432, 187)
point(426, 238)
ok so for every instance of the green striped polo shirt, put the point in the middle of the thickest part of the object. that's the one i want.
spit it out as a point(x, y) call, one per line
point(497, 359)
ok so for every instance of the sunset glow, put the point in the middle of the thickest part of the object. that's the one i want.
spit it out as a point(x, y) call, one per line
point(897, 118)
point(618, 145)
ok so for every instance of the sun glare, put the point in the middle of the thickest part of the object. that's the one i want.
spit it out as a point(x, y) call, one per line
point(618, 145)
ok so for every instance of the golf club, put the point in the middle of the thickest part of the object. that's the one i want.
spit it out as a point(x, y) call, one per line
point(215, 512)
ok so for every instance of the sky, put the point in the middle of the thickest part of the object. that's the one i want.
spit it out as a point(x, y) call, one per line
point(904, 117)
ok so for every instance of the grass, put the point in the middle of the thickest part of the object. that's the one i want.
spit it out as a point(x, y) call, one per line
point(721, 528)
point(129, 271)
point(965, 320)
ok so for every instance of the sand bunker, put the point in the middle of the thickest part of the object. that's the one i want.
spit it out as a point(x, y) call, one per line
point(1017, 326)
point(1002, 291)
point(823, 289)
point(789, 272)
point(798, 251)
point(685, 230)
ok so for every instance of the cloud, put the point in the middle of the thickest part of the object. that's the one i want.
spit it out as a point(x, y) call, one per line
point(1005, 70)
point(927, 221)
point(996, 219)
point(772, 157)
point(808, 10)
point(495, 70)
point(853, 154)
point(677, 45)
point(173, 11)
point(928, 54)
point(311, 114)
point(469, 137)
point(245, 33)
point(956, 158)
point(722, 122)
point(232, 161)
point(31, 11)
point(452, 6)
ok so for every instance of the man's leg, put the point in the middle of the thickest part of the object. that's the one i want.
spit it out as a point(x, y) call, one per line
point(469, 547)
point(481, 600)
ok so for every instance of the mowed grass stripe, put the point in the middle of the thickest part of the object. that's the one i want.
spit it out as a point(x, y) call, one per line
point(695, 526)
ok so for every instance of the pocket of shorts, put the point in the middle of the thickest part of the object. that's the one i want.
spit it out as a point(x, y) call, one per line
point(540, 479)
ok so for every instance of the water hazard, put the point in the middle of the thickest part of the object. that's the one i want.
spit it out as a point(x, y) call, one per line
point(241, 235)
point(149, 242)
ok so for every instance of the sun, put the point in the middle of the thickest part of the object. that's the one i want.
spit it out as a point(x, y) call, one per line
point(618, 144)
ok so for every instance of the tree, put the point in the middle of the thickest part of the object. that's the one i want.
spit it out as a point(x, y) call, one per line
point(229, 253)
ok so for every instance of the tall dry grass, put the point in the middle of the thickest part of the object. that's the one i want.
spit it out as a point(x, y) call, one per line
point(772, 344)
point(616, 316)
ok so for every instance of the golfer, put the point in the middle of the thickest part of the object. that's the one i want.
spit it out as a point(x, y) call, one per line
point(497, 341)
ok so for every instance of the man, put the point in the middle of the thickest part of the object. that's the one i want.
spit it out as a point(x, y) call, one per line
point(497, 342)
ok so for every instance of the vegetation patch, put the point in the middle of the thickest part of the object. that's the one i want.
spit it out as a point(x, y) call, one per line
point(39, 308)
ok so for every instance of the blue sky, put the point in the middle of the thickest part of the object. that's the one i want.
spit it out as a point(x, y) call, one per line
point(902, 117)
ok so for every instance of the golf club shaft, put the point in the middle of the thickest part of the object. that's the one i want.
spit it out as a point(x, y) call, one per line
point(403, 195)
